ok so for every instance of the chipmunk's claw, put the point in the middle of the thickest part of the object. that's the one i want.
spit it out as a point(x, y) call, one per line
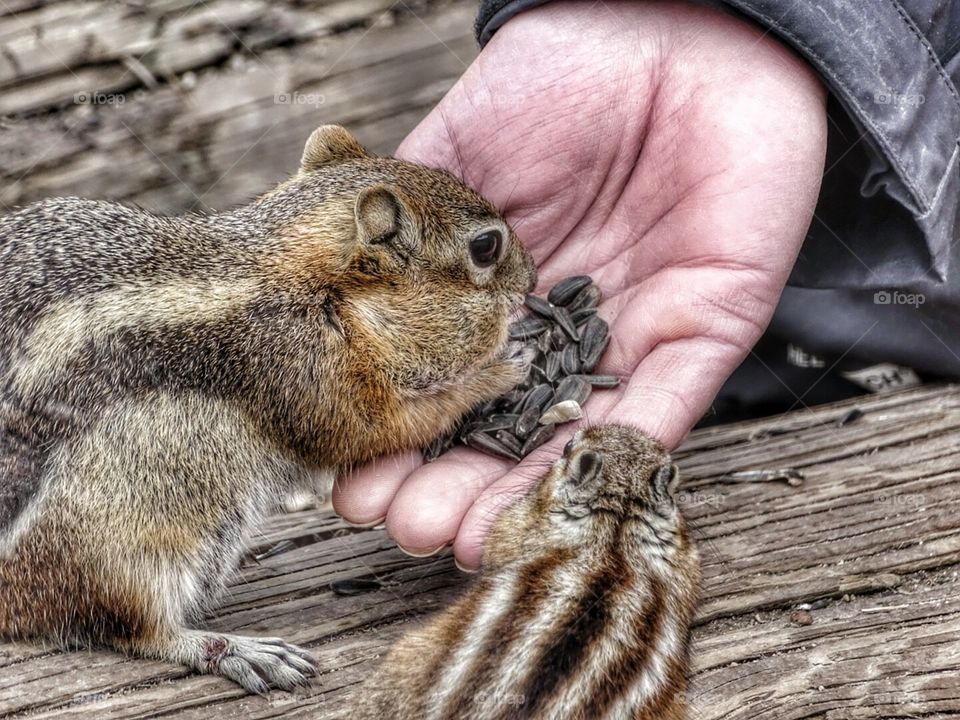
point(259, 664)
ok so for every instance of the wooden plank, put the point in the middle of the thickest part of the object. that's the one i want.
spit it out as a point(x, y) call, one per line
point(216, 135)
point(871, 536)
point(148, 43)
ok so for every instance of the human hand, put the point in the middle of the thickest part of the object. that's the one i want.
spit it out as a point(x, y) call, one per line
point(672, 152)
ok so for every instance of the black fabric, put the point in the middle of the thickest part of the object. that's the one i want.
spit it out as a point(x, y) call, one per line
point(494, 13)
point(878, 278)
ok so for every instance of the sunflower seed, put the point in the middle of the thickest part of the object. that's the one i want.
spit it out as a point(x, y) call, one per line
point(509, 440)
point(482, 441)
point(552, 368)
point(537, 438)
point(569, 360)
point(562, 317)
point(850, 417)
point(562, 412)
point(587, 298)
point(590, 362)
point(354, 586)
point(540, 306)
point(565, 290)
point(602, 381)
point(573, 387)
point(535, 358)
point(538, 397)
point(593, 334)
point(558, 338)
point(540, 372)
point(500, 421)
point(467, 428)
point(527, 422)
point(281, 547)
point(580, 316)
point(545, 342)
point(436, 448)
point(513, 397)
point(526, 328)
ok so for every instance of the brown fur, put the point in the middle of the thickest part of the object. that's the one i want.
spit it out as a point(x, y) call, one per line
point(164, 381)
point(584, 582)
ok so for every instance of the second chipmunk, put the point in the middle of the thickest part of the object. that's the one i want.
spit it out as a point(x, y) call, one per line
point(582, 608)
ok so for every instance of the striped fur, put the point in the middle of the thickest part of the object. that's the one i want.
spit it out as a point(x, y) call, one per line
point(582, 609)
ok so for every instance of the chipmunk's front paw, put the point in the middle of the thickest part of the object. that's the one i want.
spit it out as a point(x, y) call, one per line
point(257, 664)
point(513, 369)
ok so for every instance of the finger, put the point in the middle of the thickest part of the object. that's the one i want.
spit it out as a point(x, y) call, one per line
point(677, 337)
point(673, 387)
point(427, 510)
point(484, 511)
point(364, 496)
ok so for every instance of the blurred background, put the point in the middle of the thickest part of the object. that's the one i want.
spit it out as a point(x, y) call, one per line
point(179, 106)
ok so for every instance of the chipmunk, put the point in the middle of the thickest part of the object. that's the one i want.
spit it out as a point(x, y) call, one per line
point(164, 382)
point(581, 611)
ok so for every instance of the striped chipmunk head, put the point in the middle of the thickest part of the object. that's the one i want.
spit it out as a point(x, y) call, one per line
point(612, 484)
point(428, 270)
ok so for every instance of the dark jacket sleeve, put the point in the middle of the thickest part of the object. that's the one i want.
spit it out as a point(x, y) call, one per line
point(888, 216)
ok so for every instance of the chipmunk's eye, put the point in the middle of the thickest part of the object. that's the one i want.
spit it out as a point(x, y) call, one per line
point(568, 448)
point(485, 248)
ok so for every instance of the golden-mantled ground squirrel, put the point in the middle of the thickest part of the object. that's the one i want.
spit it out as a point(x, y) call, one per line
point(581, 611)
point(165, 381)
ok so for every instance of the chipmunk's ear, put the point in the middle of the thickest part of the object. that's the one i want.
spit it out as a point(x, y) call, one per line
point(585, 467)
point(666, 480)
point(328, 145)
point(382, 216)
point(579, 482)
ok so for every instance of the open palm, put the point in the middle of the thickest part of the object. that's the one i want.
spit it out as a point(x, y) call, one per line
point(671, 152)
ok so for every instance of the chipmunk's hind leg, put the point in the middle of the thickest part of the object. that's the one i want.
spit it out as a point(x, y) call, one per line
point(257, 664)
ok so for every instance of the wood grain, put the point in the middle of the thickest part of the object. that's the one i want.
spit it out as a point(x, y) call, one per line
point(871, 538)
point(187, 106)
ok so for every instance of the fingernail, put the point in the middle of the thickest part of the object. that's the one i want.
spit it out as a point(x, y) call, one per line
point(366, 525)
point(468, 571)
point(420, 553)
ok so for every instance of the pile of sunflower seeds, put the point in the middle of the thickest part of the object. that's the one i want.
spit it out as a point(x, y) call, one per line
point(566, 339)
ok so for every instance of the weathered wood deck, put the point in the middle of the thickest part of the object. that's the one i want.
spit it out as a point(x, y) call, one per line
point(178, 105)
point(871, 538)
